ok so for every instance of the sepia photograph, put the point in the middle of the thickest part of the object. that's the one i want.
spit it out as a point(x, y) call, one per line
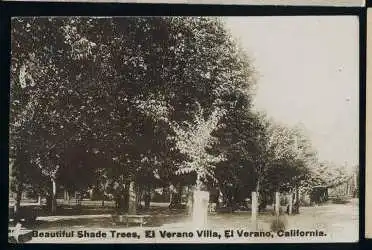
point(180, 129)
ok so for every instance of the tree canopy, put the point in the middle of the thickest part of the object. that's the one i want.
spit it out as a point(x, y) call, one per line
point(143, 98)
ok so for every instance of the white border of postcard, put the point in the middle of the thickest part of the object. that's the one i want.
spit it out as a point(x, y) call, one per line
point(339, 3)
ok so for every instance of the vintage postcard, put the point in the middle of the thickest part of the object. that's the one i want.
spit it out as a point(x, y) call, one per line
point(184, 129)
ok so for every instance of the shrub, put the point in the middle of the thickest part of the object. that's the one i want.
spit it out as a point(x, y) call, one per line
point(278, 223)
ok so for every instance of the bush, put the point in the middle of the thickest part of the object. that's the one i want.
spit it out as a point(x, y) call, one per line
point(278, 223)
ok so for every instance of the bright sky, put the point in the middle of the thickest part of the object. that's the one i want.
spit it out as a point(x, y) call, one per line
point(308, 73)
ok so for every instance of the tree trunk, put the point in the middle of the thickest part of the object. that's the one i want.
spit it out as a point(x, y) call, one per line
point(119, 203)
point(295, 195)
point(103, 198)
point(355, 186)
point(139, 191)
point(147, 197)
point(179, 190)
point(132, 204)
point(176, 197)
point(190, 201)
point(124, 199)
point(298, 201)
point(221, 199)
point(17, 204)
point(261, 203)
point(68, 197)
point(54, 197)
point(199, 183)
point(258, 186)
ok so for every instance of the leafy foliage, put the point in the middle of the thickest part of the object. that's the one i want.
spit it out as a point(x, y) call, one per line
point(195, 140)
point(150, 99)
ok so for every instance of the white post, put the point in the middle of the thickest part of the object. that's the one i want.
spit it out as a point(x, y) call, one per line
point(290, 203)
point(277, 203)
point(254, 209)
point(200, 209)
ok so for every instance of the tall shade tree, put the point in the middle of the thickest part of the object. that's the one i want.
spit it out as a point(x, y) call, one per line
point(114, 86)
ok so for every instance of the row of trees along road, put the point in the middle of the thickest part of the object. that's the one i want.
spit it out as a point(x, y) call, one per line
point(144, 100)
